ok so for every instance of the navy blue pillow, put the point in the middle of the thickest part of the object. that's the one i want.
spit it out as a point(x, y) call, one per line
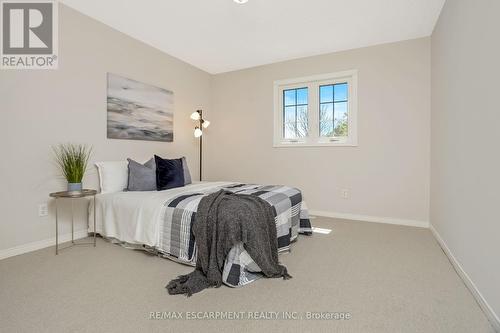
point(169, 173)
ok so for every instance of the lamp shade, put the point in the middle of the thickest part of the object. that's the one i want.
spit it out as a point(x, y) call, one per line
point(205, 123)
point(197, 132)
point(195, 116)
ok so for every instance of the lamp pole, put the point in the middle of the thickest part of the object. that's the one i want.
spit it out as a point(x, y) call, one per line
point(198, 133)
point(201, 142)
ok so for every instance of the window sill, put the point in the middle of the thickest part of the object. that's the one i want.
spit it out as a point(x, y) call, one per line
point(313, 144)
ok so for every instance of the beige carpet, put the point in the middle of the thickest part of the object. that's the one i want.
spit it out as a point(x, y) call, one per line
point(389, 278)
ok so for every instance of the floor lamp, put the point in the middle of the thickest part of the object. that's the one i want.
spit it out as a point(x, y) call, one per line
point(198, 132)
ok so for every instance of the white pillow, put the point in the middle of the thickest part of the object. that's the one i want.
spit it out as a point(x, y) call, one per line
point(113, 176)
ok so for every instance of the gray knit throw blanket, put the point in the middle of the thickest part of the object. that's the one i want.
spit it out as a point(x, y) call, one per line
point(222, 220)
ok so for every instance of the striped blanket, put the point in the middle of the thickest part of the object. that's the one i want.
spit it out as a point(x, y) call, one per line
point(177, 241)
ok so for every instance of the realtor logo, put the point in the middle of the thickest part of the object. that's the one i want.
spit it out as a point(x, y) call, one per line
point(29, 35)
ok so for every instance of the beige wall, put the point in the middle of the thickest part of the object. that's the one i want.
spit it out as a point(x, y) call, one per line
point(387, 174)
point(42, 108)
point(465, 159)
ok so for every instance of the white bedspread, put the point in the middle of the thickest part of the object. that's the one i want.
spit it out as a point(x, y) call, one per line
point(134, 217)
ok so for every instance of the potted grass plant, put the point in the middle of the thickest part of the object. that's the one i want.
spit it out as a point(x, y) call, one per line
point(72, 159)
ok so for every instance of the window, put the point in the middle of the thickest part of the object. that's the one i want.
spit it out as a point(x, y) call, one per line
point(295, 122)
point(316, 111)
point(333, 115)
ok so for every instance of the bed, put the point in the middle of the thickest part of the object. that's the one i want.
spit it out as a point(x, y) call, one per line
point(160, 221)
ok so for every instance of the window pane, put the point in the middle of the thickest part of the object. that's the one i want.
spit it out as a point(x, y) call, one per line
point(302, 113)
point(302, 121)
point(302, 96)
point(326, 94)
point(301, 129)
point(289, 130)
point(289, 114)
point(326, 119)
point(340, 92)
point(289, 97)
point(295, 118)
point(341, 122)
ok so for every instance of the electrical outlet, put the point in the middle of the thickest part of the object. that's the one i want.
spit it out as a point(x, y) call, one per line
point(43, 210)
point(344, 194)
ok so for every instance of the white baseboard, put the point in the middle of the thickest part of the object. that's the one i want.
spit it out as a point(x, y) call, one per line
point(488, 311)
point(17, 250)
point(367, 218)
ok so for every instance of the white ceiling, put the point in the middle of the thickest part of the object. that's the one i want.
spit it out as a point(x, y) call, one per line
point(220, 35)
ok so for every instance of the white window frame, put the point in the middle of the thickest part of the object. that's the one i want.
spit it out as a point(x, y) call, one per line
point(313, 83)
